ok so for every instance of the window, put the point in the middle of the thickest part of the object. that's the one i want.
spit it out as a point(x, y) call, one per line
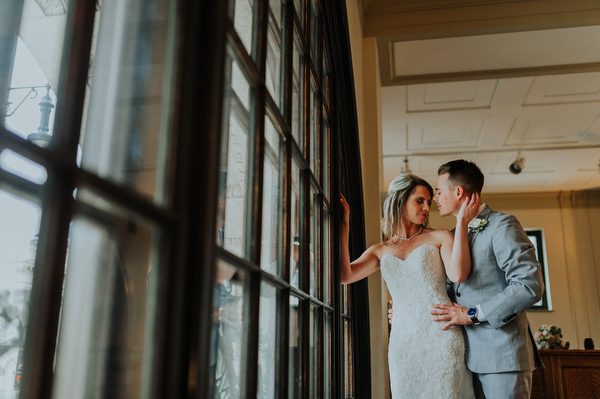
point(169, 223)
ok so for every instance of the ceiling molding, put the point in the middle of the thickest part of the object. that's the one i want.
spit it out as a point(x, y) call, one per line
point(387, 80)
point(413, 20)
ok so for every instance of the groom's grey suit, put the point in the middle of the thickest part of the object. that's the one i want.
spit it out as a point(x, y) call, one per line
point(505, 281)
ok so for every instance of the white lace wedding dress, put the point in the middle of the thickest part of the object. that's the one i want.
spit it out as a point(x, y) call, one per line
point(425, 362)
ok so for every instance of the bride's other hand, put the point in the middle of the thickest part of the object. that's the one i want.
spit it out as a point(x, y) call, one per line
point(345, 211)
point(469, 208)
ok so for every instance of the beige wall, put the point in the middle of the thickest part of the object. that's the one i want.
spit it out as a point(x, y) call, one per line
point(368, 97)
point(570, 223)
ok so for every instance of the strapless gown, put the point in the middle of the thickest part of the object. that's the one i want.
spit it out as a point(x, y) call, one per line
point(425, 362)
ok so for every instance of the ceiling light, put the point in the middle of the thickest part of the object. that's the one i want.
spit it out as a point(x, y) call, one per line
point(518, 165)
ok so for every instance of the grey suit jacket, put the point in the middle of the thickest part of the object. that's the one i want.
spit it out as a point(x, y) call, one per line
point(505, 281)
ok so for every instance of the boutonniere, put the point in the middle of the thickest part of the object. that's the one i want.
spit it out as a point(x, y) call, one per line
point(478, 224)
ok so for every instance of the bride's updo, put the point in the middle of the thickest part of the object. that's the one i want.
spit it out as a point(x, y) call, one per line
point(393, 207)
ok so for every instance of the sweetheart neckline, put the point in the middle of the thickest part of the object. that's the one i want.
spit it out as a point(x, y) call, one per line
point(408, 256)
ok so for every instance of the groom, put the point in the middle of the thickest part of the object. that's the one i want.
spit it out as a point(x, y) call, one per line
point(505, 281)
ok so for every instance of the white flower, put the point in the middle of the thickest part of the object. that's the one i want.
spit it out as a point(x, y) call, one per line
point(478, 224)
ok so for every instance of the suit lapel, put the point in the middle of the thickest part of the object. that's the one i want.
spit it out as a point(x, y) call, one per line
point(483, 215)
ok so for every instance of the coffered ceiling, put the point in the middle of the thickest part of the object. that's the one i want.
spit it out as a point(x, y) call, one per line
point(487, 80)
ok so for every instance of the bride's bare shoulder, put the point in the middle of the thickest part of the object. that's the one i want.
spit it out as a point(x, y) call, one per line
point(440, 234)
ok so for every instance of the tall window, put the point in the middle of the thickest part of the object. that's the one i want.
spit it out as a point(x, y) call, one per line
point(168, 183)
point(274, 206)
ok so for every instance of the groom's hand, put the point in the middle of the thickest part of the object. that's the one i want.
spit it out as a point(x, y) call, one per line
point(453, 315)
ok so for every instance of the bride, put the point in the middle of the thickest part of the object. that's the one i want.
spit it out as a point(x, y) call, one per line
point(424, 360)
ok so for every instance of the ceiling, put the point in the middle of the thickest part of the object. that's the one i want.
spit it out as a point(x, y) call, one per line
point(464, 81)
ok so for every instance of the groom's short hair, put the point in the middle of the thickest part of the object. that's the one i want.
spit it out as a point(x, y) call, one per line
point(463, 173)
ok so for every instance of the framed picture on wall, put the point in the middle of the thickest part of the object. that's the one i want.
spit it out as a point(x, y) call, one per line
point(536, 236)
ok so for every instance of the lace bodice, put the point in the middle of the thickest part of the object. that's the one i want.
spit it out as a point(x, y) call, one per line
point(425, 362)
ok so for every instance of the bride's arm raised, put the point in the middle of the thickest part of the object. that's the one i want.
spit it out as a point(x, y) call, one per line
point(362, 267)
point(455, 253)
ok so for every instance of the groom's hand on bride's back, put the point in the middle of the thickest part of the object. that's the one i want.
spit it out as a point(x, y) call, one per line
point(453, 315)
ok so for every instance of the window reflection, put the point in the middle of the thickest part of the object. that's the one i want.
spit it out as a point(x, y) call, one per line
point(228, 334)
point(18, 244)
point(267, 342)
point(234, 173)
point(105, 342)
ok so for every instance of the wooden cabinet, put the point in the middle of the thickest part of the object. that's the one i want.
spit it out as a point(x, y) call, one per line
point(568, 374)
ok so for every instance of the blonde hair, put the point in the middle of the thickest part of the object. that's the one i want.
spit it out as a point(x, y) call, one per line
point(393, 207)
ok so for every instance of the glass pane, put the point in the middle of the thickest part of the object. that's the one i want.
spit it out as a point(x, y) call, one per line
point(327, 358)
point(267, 347)
point(273, 78)
point(295, 347)
point(18, 244)
point(295, 229)
point(314, 31)
point(299, 7)
point(127, 119)
point(234, 174)
point(325, 182)
point(346, 299)
point(105, 339)
point(35, 69)
point(315, 242)
point(298, 95)
point(327, 269)
point(349, 359)
point(229, 333)
point(315, 347)
point(23, 167)
point(314, 130)
point(243, 21)
point(272, 204)
point(325, 80)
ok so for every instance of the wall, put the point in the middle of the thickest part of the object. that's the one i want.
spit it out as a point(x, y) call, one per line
point(368, 98)
point(569, 221)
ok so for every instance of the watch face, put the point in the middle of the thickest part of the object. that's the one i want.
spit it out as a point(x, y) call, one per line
point(472, 312)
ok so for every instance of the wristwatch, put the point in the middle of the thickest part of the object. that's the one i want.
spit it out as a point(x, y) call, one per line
point(473, 316)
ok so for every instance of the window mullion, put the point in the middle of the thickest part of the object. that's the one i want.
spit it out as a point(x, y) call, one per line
point(46, 297)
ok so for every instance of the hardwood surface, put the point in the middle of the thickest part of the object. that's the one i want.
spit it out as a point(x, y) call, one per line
point(568, 374)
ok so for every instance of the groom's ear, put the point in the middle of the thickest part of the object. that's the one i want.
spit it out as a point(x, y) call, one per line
point(459, 191)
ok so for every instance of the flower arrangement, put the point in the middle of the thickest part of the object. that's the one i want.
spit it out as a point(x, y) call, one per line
point(550, 337)
point(478, 224)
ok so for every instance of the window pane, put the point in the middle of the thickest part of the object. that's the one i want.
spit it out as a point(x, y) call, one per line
point(243, 21)
point(295, 228)
point(315, 348)
point(18, 244)
point(229, 333)
point(327, 269)
point(295, 361)
point(314, 31)
point(346, 299)
point(233, 190)
point(35, 69)
point(349, 359)
point(299, 7)
point(267, 347)
point(325, 182)
point(325, 77)
point(327, 360)
point(272, 205)
point(298, 95)
point(105, 340)
point(273, 78)
point(314, 130)
point(315, 242)
point(127, 119)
